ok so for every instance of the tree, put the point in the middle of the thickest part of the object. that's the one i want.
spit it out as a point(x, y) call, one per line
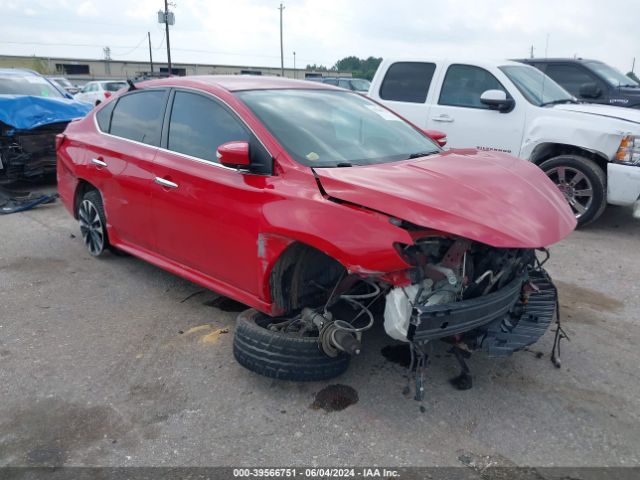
point(362, 68)
point(633, 76)
point(317, 68)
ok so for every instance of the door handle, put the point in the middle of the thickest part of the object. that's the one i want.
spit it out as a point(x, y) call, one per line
point(165, 183)
point(98, 162)
point(443, 118)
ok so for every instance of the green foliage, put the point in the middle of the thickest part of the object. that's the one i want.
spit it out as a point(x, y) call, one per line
point(633, 76)
point(359, 67)
point(317, 68)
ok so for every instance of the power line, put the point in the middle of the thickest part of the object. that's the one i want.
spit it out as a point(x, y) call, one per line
point(189, 50)
point(134, 48)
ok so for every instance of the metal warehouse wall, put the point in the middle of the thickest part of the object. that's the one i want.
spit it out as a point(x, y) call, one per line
point(84, 70)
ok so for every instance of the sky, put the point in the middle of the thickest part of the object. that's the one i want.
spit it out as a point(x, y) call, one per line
point(246, 32)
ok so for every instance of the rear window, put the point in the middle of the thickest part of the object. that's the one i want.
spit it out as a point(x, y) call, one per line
point(138, 116)
point(103, 117)
point(114, 86)
point(407, 82)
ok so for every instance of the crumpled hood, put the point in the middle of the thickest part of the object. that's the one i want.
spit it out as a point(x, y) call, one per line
point(609, 111)
point(492, 198)
point(26, 112)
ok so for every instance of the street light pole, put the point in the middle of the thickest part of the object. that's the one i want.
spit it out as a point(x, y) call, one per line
point(166, 24)
point(281, 8)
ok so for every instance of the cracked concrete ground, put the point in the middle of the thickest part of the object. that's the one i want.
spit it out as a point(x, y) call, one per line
point(111, 362)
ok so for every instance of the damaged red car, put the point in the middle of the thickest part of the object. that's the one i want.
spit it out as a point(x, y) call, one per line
point(324, 212)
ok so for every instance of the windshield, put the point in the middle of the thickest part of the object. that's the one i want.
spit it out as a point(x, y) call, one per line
point(611, 75)
point(63, 82)
point(322, 128)
point(24, 84)
point(536, 87)
point(113, 86)
point(360, 85)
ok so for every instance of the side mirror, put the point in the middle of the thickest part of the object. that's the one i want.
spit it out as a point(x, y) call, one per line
point(590, 90)
point(497, 100)
point(234, 154)
point(437, 136)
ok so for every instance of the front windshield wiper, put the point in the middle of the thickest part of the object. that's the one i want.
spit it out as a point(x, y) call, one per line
point(420, 154)
point(337, 165)
point(556, 102)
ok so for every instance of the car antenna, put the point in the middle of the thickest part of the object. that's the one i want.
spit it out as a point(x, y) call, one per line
point(131, 85)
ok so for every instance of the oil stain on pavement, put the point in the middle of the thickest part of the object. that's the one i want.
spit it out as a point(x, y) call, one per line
point(335, 398)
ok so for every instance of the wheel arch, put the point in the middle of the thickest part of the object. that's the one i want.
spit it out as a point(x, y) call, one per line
point(287, 262)
point(82, 187)
point(545, 151)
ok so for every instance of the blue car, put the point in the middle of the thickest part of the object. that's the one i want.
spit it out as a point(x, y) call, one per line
point(32, 112)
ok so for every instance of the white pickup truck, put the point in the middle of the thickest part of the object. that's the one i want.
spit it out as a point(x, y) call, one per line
point(591, 152)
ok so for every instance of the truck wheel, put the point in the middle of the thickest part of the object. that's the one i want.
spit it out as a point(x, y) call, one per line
point(582, 182)
point(280, 355)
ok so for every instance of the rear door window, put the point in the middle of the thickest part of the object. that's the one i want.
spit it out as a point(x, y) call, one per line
point(463, 86)
point(138, 116)
point(407, 82)
point(199, 125)
point(103, 117)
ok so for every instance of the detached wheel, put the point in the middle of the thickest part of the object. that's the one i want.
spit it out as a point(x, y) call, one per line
point(285, 356)
point(93, 223)
point(582, 182)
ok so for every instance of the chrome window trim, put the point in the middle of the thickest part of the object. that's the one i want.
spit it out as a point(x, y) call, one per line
point(184, 155)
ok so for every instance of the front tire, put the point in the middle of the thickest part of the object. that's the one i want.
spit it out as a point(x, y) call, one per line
point(280, 355)
point(583, 184)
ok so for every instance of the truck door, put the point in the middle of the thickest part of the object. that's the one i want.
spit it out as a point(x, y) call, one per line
point(468, 122)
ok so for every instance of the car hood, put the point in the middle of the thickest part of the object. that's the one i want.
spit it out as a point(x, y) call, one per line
point(26, 112)
point(609, 111)
point(492, 198)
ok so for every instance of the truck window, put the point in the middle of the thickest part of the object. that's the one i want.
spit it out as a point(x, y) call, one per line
point(464, 84)
point(407, 82)
point(571, 77)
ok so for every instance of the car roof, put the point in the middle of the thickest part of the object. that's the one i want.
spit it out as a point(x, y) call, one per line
point(558, 59)
point(487, 62)
point(16, 71)
point(235, 83)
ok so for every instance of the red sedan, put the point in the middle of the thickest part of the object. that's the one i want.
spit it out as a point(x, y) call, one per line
point(313, 205)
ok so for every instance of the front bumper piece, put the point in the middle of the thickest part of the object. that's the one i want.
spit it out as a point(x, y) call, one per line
point(502, 322)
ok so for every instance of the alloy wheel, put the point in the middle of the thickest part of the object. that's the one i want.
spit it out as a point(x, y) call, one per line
point(91, 227)
point(575, 186)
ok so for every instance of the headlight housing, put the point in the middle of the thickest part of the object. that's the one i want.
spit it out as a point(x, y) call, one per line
point(629, 151)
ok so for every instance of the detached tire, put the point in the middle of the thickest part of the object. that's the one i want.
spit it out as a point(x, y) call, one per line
point(279, 355)
point(583, 184)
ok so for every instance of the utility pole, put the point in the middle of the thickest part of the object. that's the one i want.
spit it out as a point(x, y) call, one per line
point(107, 59)
point(531, 54)
point(294, 66)
point(633, 64)
point(166, 24)
point(281, 8)
point(150, 54)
